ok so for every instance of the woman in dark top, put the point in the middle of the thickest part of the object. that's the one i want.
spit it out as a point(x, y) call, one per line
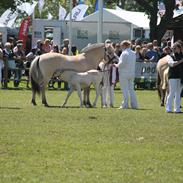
point(174, 78)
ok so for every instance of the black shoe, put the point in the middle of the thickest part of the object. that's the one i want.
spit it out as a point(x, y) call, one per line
point(178, 112)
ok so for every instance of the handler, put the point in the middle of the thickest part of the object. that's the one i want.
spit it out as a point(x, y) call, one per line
point(126, 68)
point(174, 79)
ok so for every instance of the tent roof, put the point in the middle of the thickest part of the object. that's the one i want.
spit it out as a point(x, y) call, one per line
point(138, 19)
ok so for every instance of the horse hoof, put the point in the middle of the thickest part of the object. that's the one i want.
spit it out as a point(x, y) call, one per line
point(33, 103)
point(46, 105)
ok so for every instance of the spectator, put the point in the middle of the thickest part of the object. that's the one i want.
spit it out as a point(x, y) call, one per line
point(29, 58)
point(39, 48)
point(52, 81)
point(143, 53)
point(166, 51)
point(117, 49)
point(139, 56)
point(1, 39)
point(19, 60)
point(1, 62)
point(155, 43)
point(65, 51)
point(65, 46)
point(8, 56)
point(55, 49)
point(126, 67)
point(74, 50)
point(47, 46)
point(151, 54)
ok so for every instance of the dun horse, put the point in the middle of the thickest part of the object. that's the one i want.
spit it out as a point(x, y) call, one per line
point(43, 67)
point(162, 79)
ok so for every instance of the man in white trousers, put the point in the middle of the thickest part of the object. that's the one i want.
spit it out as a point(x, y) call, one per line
point(126, 68)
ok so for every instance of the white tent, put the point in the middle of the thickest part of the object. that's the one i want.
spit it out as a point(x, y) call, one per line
point(138, 19)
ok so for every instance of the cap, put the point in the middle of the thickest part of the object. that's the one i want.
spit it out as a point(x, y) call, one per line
point(107, 41)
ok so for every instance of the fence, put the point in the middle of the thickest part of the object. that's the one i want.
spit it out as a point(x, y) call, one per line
point(145, 76)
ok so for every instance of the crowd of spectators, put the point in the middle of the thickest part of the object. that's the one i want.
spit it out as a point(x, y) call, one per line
point(18, 60)
point(15, 60)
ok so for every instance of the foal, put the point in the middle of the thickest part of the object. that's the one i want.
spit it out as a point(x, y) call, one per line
point(81, 80)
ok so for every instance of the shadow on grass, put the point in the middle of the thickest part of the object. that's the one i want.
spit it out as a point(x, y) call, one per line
point(13, 108)
point(66, 107)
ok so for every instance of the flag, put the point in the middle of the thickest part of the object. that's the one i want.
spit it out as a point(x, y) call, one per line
point(8, 18)
point(40, 5)
point(23, 32)
point(62, 13)
point(78, 12)
point(81, 1)
point(161, 8)
point(27, 7)
point(96, 5)
point(50, 16)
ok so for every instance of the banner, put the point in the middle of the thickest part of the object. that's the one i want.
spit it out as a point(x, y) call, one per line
point(8, 18)
point(23, 32)
point(62, 13)
point(40, 5)
point(27, 7)
point(49, 16)
point(146, 70)
point(78, 12)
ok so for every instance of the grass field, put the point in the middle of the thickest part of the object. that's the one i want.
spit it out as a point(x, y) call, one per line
point(73, 145)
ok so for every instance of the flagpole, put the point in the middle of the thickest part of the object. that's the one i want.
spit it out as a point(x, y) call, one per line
point(70, 27)
point(100, 21)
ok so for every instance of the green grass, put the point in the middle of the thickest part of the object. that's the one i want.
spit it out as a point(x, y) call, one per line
point(73, 145)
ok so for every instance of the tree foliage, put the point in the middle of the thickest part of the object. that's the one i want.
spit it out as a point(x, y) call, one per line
point(148, 6)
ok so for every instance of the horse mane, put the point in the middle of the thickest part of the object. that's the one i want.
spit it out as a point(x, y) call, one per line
point(91, 47)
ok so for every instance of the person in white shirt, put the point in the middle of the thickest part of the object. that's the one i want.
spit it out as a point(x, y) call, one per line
point(126, 69)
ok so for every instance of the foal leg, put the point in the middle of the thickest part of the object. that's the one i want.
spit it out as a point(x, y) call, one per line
point(68, 95)
point(33, 101)
point(97, 90)
point(78, 87)
point(84, 96)
point(88, 103)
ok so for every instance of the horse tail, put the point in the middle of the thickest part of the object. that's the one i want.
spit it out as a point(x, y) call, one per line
point(158, 84)
point(36, 75)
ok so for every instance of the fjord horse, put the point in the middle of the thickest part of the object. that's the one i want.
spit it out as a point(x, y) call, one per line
point(162, 79)
point(43, 67)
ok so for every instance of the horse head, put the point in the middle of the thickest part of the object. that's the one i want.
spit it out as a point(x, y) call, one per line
point(109, 54)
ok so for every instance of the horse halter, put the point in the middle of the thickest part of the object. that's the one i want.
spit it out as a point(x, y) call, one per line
point(110, 59)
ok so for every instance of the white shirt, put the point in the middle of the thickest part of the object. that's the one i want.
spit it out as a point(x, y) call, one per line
point(127, 61)
point(170, 60)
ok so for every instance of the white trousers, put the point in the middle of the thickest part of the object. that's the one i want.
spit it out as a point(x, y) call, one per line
point(127, 88)
point(174, 95)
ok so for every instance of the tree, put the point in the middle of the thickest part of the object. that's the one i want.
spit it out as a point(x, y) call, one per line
point(5, 4)
point(151, 8)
